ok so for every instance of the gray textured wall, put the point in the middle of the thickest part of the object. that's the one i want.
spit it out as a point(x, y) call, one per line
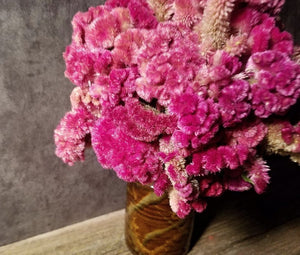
point(38, 192)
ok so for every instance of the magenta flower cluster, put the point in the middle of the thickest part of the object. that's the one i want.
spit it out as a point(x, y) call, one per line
point(179, 94)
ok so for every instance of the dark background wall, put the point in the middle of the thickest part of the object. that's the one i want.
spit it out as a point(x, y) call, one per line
point(39, 193)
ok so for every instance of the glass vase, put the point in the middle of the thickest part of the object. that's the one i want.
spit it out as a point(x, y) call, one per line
point(151, 227)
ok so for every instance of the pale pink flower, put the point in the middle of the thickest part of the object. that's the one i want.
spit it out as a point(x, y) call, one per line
point(187, 12)
point(82, 66)
point(71, 133)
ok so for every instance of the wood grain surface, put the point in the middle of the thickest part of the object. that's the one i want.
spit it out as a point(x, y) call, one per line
point(105, 235)
point(235, 224)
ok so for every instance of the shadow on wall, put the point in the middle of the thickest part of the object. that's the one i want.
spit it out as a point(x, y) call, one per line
point(39, 193)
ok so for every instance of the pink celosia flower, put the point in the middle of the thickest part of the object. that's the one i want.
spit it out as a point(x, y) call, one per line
point(79, 23)
point(233, 156)
point(266, 36)
point(212, 161)
point(281, 41)
point(187, 12)
point(143, 16)
point(82, 66)
point(275, 82)
point(199, 205)
point(215, 159)
point(140, 12)
point(245, 19)
point(107, 89)
point(131, 159)
point(249, 134)
point(70, 135)
point(261, 34)
point(98, 27)
point(268, 5)
point(161, 185)
point(116, 3)
point(126, 47)
point(184, 105)
point(178, 94)
point(141, 123)
point(210, 187)
point(234, 181)
point(258, 175)
point(234, 102)
point(199, 123)
point(101, 32)
point(81, 97)
point(222, 66)
point(179, 206)
point(167, 62)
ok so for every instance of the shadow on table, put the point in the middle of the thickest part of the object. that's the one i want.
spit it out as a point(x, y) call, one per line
point(278, 205)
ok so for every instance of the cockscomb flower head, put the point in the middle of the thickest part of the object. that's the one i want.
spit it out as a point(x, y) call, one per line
point(275, 82)
point(182, 95)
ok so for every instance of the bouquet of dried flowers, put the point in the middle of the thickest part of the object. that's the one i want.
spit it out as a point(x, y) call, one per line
point(183, 95)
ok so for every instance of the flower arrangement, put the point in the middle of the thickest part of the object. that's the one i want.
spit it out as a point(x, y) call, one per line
point(183, 95)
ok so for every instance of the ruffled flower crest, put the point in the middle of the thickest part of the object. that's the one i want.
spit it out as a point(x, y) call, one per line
point(183, 95)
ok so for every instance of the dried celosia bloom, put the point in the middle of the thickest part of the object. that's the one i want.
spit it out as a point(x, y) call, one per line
point(284, 139)
point(187, 12)
point(237, 45)
point(182, 95)
point(163, 9)
point(215, 25)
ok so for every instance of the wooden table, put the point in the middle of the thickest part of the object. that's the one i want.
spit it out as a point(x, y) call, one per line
point(237, 223)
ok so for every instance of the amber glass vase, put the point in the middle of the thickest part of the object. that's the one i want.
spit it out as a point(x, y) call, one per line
point(150, 225)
